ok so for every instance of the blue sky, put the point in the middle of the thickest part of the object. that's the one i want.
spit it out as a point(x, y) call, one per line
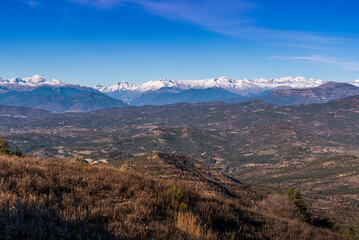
point(90, 41)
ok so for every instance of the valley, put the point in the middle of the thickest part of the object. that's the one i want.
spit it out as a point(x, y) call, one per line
point(260, 144)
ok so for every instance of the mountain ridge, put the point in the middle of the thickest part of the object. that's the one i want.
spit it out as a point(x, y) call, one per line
point(168, 91)
point(239, 86)
point(321, 94)
point(243, 86)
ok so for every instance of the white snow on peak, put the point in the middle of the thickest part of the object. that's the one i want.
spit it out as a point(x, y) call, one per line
point(243, 86)
point(355, 83)
point(144, 87)
point(155, 85)
point(120, 86)
point(298, 82)
point(13, 81)
point(56, 82)
point(33, 81)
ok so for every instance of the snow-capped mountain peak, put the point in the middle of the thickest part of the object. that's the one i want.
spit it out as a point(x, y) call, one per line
point(56, 82)
point(29, 82)
point(12, 81)
point(297, 82)
point(355, 83)
point(120, 86)
point(155, 85)
point(35, 80)
point(125, 85)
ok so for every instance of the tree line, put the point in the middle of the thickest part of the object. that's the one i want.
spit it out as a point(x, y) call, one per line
point(5, 149)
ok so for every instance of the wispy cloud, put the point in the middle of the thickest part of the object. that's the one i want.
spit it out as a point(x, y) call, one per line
point(33, 4)
point(340, 63)
point(229, 17)
point(101, 4)
point(30, 3)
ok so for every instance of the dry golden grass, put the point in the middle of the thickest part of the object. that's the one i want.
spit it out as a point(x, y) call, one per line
point(190, 224)
point(62, 199)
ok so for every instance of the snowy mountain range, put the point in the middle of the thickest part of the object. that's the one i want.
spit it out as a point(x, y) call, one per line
point(244, 86)
point(165, 91)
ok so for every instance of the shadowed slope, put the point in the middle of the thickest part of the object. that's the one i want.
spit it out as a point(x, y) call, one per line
point(188, 170)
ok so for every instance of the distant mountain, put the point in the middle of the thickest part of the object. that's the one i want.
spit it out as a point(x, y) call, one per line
point(355, 83)
point(167, 91)
point(60, 99)
point(29, 83)
point(133, 92)
point(322, 94)
point(3, 89)
point(243, 87)
point(170, 96)
point(54, 95)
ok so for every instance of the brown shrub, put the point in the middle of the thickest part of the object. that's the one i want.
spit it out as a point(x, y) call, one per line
point(280, 206)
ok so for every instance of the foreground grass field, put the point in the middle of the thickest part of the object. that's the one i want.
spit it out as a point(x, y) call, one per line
point(63, 199)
